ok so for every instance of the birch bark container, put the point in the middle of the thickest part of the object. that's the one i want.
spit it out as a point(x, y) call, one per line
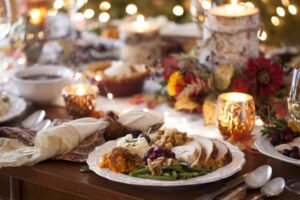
point(230, 35)
point(139, 42)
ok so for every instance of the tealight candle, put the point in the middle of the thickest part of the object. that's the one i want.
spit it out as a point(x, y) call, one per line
point(233, 10)
point(80, 99)
point(235, 115)
point(37, 11)
point(230, 35)
point(140, 41)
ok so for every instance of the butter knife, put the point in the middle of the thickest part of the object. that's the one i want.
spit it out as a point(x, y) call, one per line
point(228, 185)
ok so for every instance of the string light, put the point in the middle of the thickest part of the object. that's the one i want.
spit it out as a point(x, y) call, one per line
point(275, 21)
point(40, 34)
point(104, 6)
point(292, 9)
point(262, 35)
point(110, 96)
point(178, 10)
point(131, 9)
point(104, 17)
point(206, 4)
point(88, 13)
point(58, 4)
point(280, 11)
point(285, 2)
point(78, 17)
point(21, 61)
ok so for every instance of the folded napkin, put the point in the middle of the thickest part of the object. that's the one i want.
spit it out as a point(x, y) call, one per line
point(48, 143)
point(140, 120)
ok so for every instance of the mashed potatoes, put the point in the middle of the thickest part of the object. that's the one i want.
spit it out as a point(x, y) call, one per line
point(137, 146)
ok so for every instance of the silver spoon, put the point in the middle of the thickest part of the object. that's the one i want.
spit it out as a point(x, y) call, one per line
point(254, 180)
point(33, 119)
point(272, 188)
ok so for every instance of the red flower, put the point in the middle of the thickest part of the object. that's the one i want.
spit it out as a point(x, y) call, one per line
point(189, 78)
point(263, 76)
point(240, 85)
point(170, 64)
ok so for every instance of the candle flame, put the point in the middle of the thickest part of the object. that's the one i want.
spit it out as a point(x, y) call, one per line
point(140, 19)
point(81, 90)
point(234, 2)
point(37, 15)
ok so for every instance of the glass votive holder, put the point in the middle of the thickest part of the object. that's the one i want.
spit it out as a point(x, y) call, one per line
point(235, 115)
point(80, 99)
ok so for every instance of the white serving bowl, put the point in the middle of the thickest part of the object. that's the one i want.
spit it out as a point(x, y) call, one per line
point(42, 91)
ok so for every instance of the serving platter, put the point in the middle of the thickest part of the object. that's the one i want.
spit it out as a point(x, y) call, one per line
point(238, 160)
point(265, 147)
point(17, 106)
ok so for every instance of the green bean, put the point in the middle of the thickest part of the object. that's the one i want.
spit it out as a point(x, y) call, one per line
point(174, 173)
point(139, 171)
point(164, 178)
point(174, 167)
point(184, 164)
point(190, 174)
point(199, 169)
point(166, 174)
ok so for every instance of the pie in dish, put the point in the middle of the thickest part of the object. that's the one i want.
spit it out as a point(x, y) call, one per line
point(116, 77)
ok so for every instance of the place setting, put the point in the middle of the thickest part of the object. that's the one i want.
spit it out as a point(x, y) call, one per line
point(190, 99)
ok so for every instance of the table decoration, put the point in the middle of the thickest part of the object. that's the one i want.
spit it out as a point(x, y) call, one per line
point(191, 86)
point(80, 99)
point(230, 35)
point(139, 41)
point(235, 115)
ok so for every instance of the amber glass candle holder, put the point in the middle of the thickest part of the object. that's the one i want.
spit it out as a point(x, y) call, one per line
point(80, 99)
point(235, 115)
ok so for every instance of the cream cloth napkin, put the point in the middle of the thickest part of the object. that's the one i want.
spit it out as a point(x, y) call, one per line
point(140, 120)
point(48, 143)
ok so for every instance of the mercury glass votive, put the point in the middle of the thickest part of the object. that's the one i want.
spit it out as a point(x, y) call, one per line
point(80, 99)
point(235, 115)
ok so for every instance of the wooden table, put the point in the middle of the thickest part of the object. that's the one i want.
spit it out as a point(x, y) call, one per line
point(63, 180)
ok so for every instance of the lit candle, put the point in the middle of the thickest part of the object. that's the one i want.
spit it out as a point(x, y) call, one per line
point(37, 10)
point(80, 99)
point(140, 25)
point(230, 35)
point(140, 40)
point(234, 10)
point(235, 115)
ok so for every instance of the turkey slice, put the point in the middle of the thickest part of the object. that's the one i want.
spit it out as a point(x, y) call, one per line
point(188, 152)
point(210, 149)
point(224, 155)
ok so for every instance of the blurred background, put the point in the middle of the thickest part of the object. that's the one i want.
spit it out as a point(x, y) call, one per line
point(281, 18)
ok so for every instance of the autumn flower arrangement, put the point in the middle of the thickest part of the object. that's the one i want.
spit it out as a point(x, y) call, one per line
point(192, 87)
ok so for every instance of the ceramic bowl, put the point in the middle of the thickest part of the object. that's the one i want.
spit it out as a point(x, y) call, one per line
point(42, 91)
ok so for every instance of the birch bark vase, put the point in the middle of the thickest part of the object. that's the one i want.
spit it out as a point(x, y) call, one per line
point(139, 43)
point(229, 38)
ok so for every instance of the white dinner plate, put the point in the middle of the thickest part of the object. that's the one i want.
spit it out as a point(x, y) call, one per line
point(17, 106)
point(265, 147)
point(238, 160)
